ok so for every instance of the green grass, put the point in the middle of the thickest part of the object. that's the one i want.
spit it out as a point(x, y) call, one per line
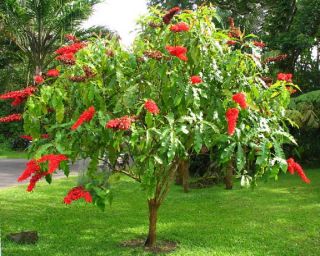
point(277, 218)
point(4, 154)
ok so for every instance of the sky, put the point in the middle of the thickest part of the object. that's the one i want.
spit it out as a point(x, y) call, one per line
point(118, 15)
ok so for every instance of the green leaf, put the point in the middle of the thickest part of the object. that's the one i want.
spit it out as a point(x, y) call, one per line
point(241, 160)
point(149, 120)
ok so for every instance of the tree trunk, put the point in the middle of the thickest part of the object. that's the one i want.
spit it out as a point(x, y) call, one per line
point(182, 177)
point(229, 175)
point(153, 214)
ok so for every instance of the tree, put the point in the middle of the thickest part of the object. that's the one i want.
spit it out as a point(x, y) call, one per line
point(182, 87)
point(36, 27)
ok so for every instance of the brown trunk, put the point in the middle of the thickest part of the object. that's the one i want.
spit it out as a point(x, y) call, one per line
point(153, 214)
point(229, 175)
point(182, 177)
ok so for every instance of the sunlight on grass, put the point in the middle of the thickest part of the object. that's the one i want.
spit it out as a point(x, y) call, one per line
point(276, 218)
point(5, 154)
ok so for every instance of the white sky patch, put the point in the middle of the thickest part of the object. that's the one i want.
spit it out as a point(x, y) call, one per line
point(119, 16)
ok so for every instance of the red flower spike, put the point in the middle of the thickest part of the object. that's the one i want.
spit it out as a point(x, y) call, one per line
point(77, 193)
point(152, 107)
point(54, 161)
point(53, 73)
point(178, 51)
point(285, 77)
point(18, 96)
point(180, 27)
point(38, 79)
point(11, 118)
point(295, 167)
point(86, 116)
point(232, 115)
point(33, 181)
point(169, 15)
point(259, 44)
point(195, 79)
point(31, 167)
point(72, 48)
point(26, 137)
point(240, 98)
point(122, 123)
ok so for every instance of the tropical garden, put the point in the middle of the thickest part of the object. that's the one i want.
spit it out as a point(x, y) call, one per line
point(202, 138)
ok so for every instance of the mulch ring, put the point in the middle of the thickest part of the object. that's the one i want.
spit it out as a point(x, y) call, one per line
point(162, 246)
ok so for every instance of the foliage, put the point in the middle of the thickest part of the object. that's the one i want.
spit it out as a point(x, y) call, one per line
point(205, 222)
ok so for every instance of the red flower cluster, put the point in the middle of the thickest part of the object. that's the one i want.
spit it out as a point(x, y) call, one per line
point(28, 137)
point(152, 107)
point(180, 27)
point(67, 58)
point(259, 44)
point(66, 53)
point(53, 160)
point(232, 115)
point(285, 77)
point(86, 116)
point(18, 96)
point(76, 194)
point(72, 48)
point(275, 59)
point(11, 118)
point(295, 167)
point(38, 79)
point(195, 79)
point(240, 98)
point(71, 37)
point(33, 168)
point(178, 51)
point(122, 123)
point(231, 42)
point(53, 73)
point(169, 15)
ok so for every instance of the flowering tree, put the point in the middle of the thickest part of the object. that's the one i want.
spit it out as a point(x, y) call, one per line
point(182, 87)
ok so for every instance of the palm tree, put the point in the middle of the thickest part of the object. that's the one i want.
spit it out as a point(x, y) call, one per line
point(36, 27)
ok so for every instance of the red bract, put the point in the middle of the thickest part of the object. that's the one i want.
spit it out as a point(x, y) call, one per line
point(169, 15)
point(53, 73)
point(38, 79)
point(67, 58)
point(26, 137)
point(33, 181)
point(86, 116)
point(77, 193)
point(285, 77)
point(122, 123)
point(259, 44)
point(178, 51)
point(293, 166)
point(11, 118)
point(72, 48)
point(180, 27)
point(31, 167)
point(18, 96)
point(195, 79)
point(54, 161)
point(152, 107)
point(231, 42)
point(232, 115)
point(240, 98)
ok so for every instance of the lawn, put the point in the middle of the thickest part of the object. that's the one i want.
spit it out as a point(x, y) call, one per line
point(277, 218)
point(4, 154)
